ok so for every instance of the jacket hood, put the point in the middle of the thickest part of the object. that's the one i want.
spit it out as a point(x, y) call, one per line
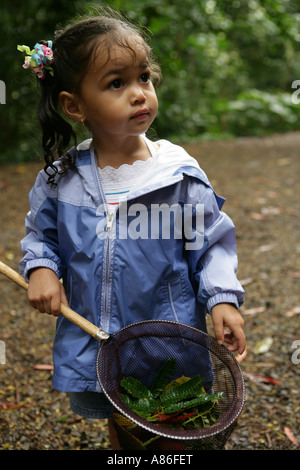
point(166, 168)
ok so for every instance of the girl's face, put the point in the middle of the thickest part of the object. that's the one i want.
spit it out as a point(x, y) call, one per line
point(117, 97)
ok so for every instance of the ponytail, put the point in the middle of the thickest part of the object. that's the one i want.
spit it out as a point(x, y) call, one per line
point(57, 133)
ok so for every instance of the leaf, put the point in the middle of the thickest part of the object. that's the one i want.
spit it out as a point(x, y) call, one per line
point(290, 435)
point(247, 281)
point(262, 378)
point(176, 382)
point(135, 388)
point(293, 311)
point(182, 391)
point(258, 216)
point(263, 346)
point(203, 398)
point(253, 311)
point(43, 367)
point(163, 377)
point(143, 406)
point(8, 405)
point(264, 248)
point(270, 210)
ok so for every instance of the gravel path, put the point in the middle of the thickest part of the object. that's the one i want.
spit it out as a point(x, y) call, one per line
point(260, 179)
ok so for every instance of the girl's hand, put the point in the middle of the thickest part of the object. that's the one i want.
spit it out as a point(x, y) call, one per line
point(45, 291)
point(226, 315)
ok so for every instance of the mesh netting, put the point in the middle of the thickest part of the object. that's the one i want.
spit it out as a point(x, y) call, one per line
point(140, 351)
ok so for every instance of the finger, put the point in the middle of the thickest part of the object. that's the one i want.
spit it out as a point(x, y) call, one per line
point(55, 306)
point(241, 357)
point(39, 306)
point(228, 337)
point(236, 339)
point(63, 297)
point(219, 330)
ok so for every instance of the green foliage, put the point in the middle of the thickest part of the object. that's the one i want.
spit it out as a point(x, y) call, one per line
point(163, 377)
point(228, 66)
point(182, 402)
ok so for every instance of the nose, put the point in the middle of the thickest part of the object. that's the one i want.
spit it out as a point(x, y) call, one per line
point(137, 95)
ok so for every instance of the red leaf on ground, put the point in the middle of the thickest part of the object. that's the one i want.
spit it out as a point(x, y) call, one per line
point(290, 435)
point(262, 378)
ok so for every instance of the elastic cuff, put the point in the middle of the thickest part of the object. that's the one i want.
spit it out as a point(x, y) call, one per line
point(40, 263)
point(224, 297)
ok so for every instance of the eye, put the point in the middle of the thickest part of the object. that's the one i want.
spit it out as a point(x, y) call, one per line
point(116, 84)
point(145, 77)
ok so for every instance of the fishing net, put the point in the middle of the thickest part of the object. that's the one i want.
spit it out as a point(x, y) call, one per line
point(140, 351)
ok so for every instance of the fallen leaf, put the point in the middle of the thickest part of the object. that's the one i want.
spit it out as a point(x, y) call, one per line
point(43, 367)
point(263, 346)
point(258, 216)
point(290, 435)
point(247, 281)
point(262, 378)
point(264, 248)
point(8, 405)
point(253, 311)
point(270, 210)
point(293, 311)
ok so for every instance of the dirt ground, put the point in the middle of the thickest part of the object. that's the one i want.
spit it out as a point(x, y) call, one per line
point(260, 179)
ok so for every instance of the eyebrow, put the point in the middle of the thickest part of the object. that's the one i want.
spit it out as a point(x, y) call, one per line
point(143, 65)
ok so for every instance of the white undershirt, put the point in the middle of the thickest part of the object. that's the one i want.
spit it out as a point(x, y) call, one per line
point(117, 183)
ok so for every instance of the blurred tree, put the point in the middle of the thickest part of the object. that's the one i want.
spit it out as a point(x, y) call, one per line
point(228, 66)
point(24, 23)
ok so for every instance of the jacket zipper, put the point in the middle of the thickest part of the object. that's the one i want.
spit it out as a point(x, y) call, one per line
point(107, 259)
point(107, 271)
point(110, 218)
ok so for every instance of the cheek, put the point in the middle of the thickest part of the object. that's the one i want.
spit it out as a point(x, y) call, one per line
point(154, 103)
point(152, 97)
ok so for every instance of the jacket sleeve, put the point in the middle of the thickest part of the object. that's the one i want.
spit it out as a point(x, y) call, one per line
point(214, 264)
point(40, 247)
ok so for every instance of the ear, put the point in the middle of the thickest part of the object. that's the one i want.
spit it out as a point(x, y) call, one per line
point(71, 106)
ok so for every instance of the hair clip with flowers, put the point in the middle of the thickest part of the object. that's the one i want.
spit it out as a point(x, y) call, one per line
point(38, 59)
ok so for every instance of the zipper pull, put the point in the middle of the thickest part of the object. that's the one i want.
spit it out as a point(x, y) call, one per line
point(110, 217)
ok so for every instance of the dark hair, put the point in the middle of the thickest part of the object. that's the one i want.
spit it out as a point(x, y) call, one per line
point(73, 50)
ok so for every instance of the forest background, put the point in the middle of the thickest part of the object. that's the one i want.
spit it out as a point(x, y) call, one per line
point(230, 68)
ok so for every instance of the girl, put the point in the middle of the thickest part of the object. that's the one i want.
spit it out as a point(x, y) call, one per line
point(117, 270)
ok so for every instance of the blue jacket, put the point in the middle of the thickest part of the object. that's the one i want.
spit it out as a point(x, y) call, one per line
point(114, 280)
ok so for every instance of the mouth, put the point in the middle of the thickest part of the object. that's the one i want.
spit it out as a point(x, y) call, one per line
point(141, 114)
